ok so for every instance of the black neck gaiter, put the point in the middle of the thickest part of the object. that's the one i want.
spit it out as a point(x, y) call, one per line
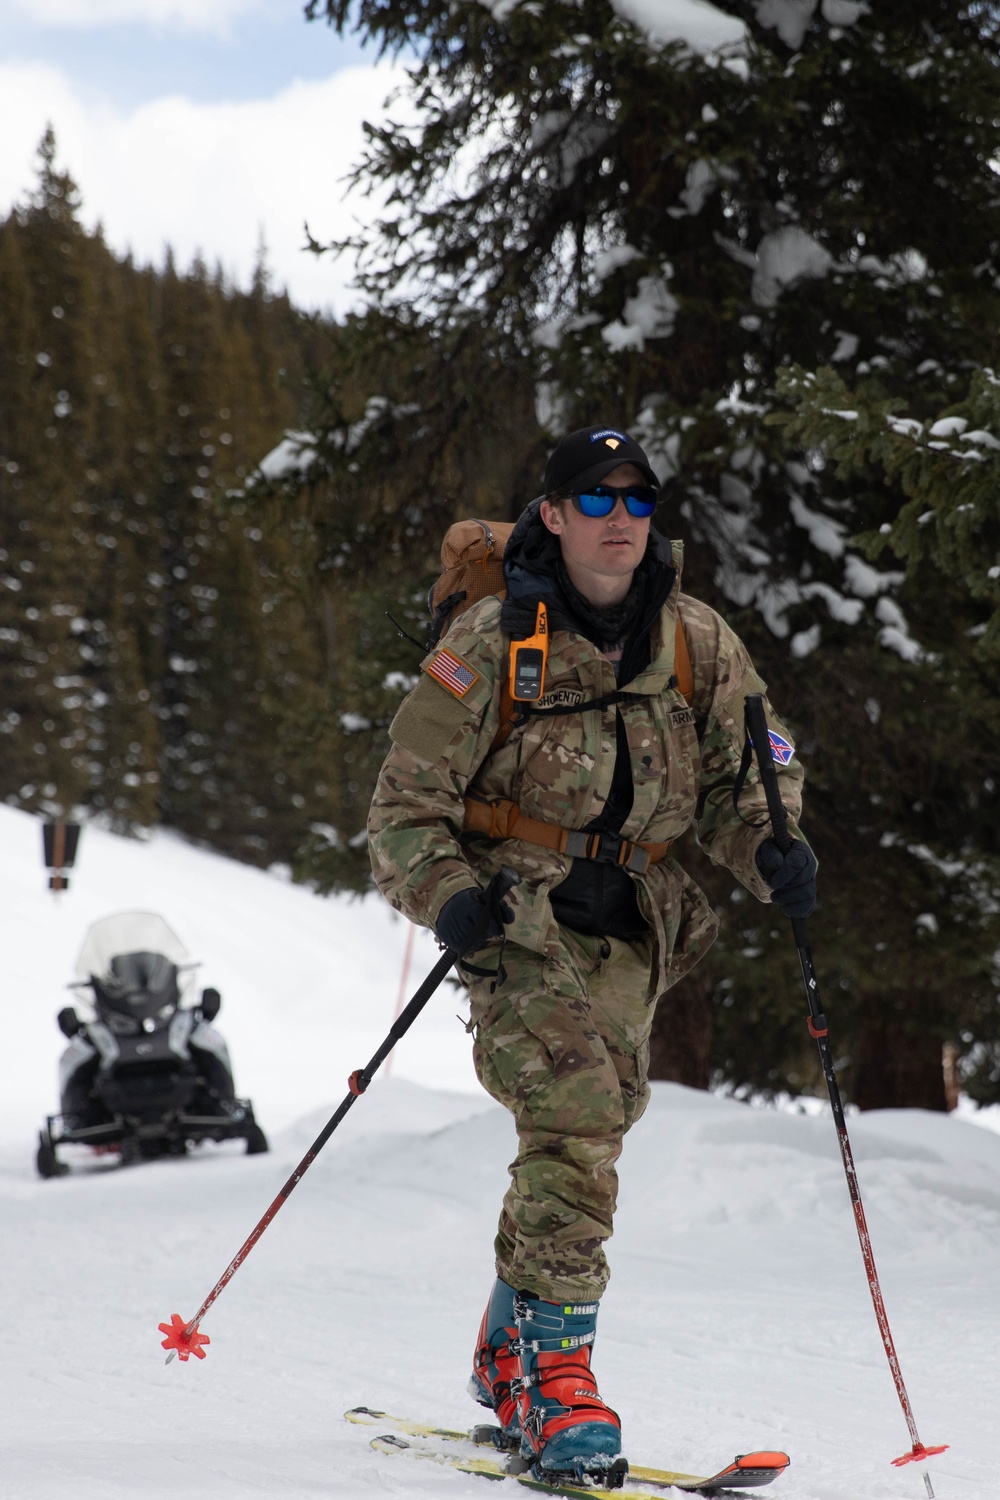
point(605, 627)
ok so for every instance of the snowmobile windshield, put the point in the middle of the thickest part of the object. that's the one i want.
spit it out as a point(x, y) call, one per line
point(132, 960)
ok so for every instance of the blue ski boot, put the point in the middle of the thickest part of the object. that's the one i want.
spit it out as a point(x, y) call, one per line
point(495, 1363)
point(566, 1429)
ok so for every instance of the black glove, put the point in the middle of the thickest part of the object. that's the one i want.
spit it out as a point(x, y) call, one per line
point(791, 876)
point(467, 920)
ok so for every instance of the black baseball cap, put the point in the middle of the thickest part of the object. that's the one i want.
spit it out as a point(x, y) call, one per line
point(584, 457)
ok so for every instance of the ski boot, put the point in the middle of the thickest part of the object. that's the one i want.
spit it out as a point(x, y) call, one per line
point(495, 1363)
point(568, 1434)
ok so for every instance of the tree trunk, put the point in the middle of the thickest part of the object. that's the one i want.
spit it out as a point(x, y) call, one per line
point(898, 1069)
point(680, 1045)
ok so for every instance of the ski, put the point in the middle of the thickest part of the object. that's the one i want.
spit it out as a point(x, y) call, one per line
point(747, 1471)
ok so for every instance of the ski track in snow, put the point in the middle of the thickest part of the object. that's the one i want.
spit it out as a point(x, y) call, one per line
point(737, 1316)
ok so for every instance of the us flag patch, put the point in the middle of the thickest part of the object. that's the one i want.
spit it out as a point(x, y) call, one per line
point(452, 673)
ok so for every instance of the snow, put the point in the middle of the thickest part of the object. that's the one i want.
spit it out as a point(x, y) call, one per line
point(650, 314)
point(606, 262)
point(738, 1314)
point(293, 455)
point(699, 183)
point(847, 611)
point(825, 534)
point(791, 18)
point(785, 257)
point(895, 634)
point(865, 581)
point(847, 346)
point(308, 985)
point(701, 26)
point(949, 427)
point(804, 642)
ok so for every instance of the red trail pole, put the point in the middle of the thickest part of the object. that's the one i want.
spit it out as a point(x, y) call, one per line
point(757, 733)
point(183, 1338)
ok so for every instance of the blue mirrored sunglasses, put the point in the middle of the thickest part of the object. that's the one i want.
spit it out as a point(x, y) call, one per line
point(640, 500)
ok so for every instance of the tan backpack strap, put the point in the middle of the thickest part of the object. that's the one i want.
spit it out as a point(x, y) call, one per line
point(682, 663)
point(509, 717)
point(505, 820)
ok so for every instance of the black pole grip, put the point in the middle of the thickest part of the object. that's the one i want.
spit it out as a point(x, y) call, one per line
point(500, 885)
point(756, 726)
point(362, 1077)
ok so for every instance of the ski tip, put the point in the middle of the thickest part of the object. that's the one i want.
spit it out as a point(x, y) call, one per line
point(182, 1339)
point(763, 1460)
point(747, 1471)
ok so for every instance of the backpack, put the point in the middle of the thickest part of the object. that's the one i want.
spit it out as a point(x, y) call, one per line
point(472, 569)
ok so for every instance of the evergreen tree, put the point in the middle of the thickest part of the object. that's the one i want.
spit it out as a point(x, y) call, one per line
point(50, 550)
point(146, 673)
point(406, 431)
point(659, 234)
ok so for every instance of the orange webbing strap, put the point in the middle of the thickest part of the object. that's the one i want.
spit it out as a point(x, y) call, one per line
point(504, 820)
point(509, 715)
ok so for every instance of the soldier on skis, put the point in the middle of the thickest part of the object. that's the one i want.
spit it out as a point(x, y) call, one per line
point(636, 735)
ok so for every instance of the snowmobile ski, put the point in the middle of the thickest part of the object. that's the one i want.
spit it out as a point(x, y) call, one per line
point(747, 1471)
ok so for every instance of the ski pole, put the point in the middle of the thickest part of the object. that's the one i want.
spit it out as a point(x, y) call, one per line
point(760, 739)
point(183, 1338)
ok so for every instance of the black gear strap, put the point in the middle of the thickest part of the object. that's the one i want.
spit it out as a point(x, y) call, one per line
point(746, 761)
point(609, 700)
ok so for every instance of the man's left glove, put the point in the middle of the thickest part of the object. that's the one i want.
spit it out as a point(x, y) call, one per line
point(469, 919)
point(791, 876)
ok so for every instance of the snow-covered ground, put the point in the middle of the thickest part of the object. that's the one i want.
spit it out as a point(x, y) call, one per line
point(737, 1317)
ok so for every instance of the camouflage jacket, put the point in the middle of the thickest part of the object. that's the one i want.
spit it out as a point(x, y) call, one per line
point(558, 769)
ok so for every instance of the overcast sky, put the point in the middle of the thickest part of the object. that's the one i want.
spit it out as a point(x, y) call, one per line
point(201, 123)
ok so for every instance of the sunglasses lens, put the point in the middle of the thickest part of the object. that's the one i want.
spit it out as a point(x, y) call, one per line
point(596, 503)
point(641, 501)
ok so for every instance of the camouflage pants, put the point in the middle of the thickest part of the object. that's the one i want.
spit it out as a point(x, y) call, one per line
point(564, 1045)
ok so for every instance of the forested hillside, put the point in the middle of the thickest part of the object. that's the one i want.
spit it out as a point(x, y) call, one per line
point(775, 255)
point(144, 674)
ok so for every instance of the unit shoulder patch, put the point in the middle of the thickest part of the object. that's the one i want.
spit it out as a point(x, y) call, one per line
point(452, 672)
point(781, 749)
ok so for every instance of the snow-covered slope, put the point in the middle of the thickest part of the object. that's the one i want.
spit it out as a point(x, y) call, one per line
point(738, 1314)
point(309, 986)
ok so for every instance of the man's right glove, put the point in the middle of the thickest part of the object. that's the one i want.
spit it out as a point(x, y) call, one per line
point(468, 919)
point(791, 876)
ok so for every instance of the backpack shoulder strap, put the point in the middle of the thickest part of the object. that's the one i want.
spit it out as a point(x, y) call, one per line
point(511, 713)
point(682, 663)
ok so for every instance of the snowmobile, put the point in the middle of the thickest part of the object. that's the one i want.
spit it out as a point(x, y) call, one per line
point(147, 1076)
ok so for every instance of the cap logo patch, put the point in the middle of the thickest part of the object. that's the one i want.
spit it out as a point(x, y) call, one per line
point(612, 443)
point(606, 434)
point(452, 673)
